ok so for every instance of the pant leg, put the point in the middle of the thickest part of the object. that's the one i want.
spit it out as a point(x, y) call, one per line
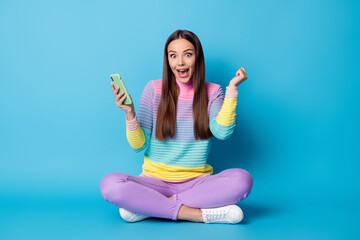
point(140, 194)
point(227, 187)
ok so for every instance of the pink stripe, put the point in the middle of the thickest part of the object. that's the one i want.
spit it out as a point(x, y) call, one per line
point(186, 96)
point(132, 125)
point(210, 87)
point(231, 92)
point(157, 86)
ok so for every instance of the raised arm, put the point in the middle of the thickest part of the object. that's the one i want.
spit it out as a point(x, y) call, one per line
point(138, 129)
point(223, 111)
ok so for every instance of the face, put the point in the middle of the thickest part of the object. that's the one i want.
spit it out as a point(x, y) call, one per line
point(181, 55)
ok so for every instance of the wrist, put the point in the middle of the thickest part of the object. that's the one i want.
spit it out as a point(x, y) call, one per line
point(130, 116)
point(232, 84)
point(132, 124)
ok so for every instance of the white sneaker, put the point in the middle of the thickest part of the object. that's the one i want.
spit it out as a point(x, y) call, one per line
point(130, 216)
point(227, 214)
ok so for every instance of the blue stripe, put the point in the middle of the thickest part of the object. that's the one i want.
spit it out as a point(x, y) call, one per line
point(184, 154)
point(221, 132)
point(147, 135)
point(144, 117)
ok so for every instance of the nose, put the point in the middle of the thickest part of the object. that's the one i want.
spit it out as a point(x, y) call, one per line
point(181, 61)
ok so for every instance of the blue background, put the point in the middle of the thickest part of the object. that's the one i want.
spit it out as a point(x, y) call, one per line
point(297, 120)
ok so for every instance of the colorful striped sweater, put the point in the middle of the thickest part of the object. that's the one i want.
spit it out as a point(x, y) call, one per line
point(182, 157)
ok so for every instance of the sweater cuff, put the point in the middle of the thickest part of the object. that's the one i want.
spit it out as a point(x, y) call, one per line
point(132, 125)
point(231, 92)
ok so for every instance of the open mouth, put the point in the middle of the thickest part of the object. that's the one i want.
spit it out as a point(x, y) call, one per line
point(183, 72)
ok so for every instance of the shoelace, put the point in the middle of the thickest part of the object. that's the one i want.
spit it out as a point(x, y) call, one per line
point(217, 214)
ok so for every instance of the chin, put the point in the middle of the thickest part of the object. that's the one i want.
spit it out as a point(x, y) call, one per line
point(184, 80)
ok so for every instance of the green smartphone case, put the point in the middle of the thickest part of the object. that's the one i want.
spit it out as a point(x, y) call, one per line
point(119, 82)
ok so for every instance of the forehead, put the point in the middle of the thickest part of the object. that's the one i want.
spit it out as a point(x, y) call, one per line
point(180, 45)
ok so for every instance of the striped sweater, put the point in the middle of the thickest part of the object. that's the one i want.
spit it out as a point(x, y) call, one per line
point(182, 157)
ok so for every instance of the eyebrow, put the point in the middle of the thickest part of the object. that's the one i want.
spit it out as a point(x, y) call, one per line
point(184, 50)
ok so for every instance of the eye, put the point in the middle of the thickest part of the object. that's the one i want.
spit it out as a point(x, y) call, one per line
point(172, 55)
point(188, 54)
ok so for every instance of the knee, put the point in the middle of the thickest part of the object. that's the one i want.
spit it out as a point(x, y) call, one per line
point(243, 181)
point(109, 184)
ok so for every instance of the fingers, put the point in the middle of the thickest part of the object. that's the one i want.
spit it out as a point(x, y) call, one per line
point(244, 72)
point(119, 95)
point(241, 71)
point(119, 98)
point(116, 91)
point(112, 86)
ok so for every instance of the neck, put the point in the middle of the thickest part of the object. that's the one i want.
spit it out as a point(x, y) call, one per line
point(185, 87)
point(189, 82)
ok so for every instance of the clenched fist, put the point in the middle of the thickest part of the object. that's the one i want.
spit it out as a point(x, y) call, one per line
point(239, 77)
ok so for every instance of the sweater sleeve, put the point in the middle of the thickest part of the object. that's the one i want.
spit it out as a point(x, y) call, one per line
point(138, 130)
point(222, 113)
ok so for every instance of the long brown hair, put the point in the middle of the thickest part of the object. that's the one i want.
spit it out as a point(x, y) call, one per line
point(166, 117)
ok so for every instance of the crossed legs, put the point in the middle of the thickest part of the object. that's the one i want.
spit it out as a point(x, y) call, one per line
point(156, 198)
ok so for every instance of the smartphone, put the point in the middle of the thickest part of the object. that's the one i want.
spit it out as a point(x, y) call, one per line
point(116, 79)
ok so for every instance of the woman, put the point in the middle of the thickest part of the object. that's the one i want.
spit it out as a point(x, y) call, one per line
point(177, 117)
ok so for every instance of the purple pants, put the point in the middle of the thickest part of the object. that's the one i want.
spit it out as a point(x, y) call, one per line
point(150, 196)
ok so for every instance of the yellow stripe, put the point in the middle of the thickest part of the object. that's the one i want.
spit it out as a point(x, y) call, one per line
point(227, 114)
point(171, 173)
point(135, 138)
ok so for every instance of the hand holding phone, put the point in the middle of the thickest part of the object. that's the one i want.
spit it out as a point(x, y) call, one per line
point(120, 96)
point(118, 82)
